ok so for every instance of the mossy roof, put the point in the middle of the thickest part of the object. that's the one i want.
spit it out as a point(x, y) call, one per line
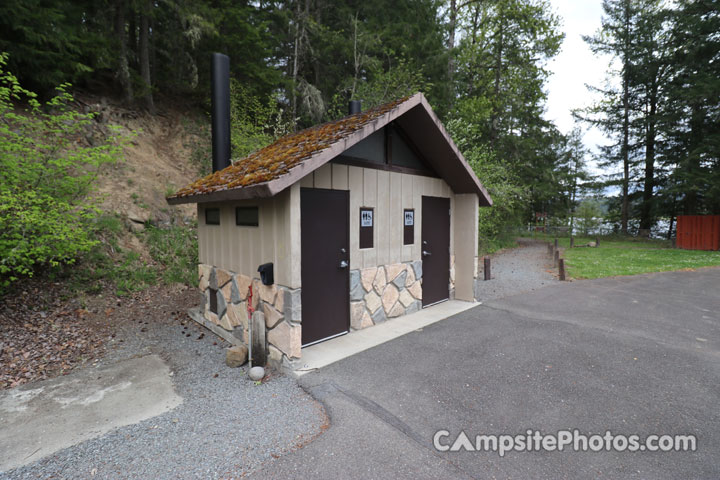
point(275, 167)
point(278, 158)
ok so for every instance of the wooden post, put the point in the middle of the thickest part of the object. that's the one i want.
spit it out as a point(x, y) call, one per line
point(259, 354)
point(597, 241)
point(486, 267)
point(561, 268)
point(572, 241)
point(557, 256)
point(556, 243)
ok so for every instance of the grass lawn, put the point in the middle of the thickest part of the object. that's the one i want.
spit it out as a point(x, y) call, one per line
point(629, 256)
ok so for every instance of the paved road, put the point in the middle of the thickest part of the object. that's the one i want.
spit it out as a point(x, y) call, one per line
point(633, 355)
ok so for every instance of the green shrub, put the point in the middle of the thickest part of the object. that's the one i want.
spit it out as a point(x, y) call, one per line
point(589, 215)
point(107, 264)
point(132, 274)
point(46, 174)
point(255, 122)
point(497, 225)
point(176, 250)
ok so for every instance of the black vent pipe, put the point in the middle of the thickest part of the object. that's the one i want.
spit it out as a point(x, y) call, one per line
point(355, 106)
point(220, 111)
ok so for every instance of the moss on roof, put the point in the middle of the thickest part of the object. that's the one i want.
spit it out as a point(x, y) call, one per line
point(277, 159)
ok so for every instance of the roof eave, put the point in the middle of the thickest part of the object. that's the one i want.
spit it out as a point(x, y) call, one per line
point(483, 195)
point(261, 190)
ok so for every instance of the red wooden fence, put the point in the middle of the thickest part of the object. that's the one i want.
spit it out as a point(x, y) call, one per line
point(698, 232)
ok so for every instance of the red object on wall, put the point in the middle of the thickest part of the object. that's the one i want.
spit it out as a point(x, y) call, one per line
point(698, 232)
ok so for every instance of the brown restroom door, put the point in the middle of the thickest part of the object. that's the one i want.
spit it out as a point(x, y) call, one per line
point(325, 274)
point(435, 249)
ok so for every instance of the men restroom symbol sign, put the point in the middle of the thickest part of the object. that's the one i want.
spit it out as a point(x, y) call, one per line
point(366, 218)
point(409, 217)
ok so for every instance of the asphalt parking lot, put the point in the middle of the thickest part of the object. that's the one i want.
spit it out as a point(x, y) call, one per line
point(631, 355)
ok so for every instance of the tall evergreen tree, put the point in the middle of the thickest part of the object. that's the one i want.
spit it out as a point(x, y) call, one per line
point(692, 120)
point(613, 114)
point(499, 79)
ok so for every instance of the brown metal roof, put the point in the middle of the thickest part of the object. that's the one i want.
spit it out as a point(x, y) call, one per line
point(275, 167)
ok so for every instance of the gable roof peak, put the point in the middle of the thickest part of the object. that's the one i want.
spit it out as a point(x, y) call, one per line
point(270, 170)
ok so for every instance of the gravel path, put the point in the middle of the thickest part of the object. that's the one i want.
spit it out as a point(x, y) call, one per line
point(517, 270)
point(226, 426)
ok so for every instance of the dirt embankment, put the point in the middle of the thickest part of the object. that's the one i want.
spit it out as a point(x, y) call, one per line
point(45, 328)
point(163, 154)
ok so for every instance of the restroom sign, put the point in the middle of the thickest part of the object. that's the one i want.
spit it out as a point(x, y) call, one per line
point(366, 217)
point(408, 226)
point(409, 218)
point(366, 227)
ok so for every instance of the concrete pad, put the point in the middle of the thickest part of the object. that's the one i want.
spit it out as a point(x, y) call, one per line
point(324, 353)
point(41, 418)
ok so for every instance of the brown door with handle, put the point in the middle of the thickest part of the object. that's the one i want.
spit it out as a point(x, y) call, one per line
point(325, 273)
point(435, 250)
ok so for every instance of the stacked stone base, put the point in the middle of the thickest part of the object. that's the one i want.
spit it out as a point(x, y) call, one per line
point(376, 294)
point(388, 291)
point(277, 314)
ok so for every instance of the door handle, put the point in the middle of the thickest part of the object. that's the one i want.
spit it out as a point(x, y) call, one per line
point(426, 253)
point(343, 264)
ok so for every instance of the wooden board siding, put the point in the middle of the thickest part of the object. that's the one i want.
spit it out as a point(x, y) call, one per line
point(465, 235)
point(323, 176)
point(395, 240)
point(389, 193)
point(340, 177)
point(355, 183)
point(369, 199)
point(242, 249)
point(277, 238)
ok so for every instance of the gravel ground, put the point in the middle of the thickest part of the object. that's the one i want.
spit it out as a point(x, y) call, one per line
point(517, 270)
point(226, 426)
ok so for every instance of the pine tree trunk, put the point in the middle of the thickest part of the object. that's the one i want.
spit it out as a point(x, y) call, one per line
point(451, 43)
point(625, 149)
point(133, 41)
point(573, 197)
point(295, 67)
point(123, 69)
point(646, 214)
point(693, 161)
point(144, 46)
point(494, 118)
point(356, 58)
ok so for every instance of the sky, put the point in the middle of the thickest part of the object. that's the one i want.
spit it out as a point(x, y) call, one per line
point(574, 67)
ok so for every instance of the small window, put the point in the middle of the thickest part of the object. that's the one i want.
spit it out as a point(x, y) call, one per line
point(212, 216)
point(213, 300)
point(408, 226)
point(366, 227)
point(247, 216)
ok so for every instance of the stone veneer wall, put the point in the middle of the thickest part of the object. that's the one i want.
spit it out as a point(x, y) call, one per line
point(376, 294)
point(277, 311)
point(379, 293)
